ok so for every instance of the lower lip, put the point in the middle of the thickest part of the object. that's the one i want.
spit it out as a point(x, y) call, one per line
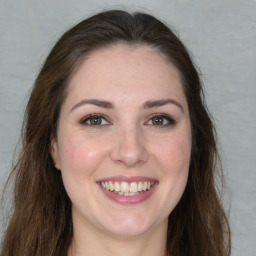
point(125, 200)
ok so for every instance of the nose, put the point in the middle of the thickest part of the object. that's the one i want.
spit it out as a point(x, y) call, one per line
point(129, 148)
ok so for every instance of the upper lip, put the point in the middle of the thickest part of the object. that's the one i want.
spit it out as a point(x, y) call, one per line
point(128, 179)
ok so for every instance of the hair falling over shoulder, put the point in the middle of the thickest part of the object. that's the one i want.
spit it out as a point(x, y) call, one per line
point(40, 221)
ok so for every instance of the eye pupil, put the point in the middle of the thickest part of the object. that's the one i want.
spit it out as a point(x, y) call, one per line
point(95, 120)
point(158, 120)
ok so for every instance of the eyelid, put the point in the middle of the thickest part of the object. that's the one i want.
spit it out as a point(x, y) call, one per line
point(171, 121)
point(99, 115)
point(169, 118)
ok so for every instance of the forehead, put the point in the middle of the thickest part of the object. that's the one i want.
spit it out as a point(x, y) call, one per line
point(126, 71)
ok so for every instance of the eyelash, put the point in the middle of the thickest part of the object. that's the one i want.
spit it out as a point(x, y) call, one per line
point(94, 116)
point(165, 118)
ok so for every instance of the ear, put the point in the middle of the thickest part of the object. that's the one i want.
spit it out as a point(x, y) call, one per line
point(55, 153)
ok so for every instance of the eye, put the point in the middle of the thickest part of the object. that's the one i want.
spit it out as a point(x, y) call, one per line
point(94, 120)
point(161, 120)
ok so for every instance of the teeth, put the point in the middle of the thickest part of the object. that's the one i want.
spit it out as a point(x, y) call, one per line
point(117, 187)
point(144, 186)
point(127, 194)
point(140, 186)
point(133, 187)
point(106, 185)
point(127, 189)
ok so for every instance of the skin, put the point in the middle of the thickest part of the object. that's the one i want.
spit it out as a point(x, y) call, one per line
point(128, 143)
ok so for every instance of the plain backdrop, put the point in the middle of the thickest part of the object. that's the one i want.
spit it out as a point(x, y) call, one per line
point(221, 35)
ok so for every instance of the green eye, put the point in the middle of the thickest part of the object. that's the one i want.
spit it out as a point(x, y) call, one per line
point(94, 120)
point(161, 120)
point(158, 120)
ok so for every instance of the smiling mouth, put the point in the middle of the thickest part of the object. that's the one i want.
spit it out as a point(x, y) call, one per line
point(127, 189)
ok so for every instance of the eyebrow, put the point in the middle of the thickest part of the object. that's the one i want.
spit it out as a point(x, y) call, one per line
point(159, 103)
point(96, 102)
point(147, 105)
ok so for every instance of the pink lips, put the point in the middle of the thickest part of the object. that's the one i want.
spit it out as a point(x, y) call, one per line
point(126, 200)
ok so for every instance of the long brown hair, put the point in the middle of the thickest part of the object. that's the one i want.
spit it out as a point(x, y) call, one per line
point(40, 223)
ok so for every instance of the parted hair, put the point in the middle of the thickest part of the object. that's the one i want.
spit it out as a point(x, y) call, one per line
point(40, 222)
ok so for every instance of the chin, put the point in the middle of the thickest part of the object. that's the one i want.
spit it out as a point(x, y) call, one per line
point(127, 231)
point(129, 226)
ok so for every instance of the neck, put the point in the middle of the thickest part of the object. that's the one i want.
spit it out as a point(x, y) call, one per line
point(94, 243)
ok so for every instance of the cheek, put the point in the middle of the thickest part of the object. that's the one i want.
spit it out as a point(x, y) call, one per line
point(80, 158)
point(174, 155)
point(176, 161)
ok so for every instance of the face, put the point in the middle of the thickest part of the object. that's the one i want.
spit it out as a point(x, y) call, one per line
point(124, 141)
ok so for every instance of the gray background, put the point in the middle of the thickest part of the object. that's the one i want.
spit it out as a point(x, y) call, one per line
point(221, 34)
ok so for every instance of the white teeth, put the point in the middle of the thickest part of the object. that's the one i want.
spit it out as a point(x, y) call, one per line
point(117, 186)
point(133, 194)
point(140, 186)
point(144, 186)
point(111, 186)
point(106, 185)
point(133, 187)
point(127, 189)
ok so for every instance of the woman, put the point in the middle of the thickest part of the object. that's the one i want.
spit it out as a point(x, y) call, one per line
point(119, 153)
